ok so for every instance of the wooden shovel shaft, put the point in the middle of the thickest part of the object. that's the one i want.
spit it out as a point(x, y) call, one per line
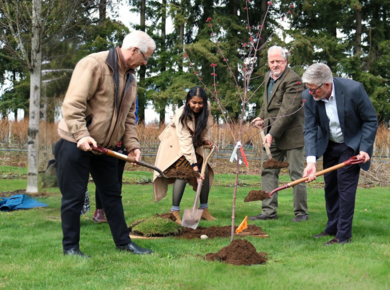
point(319, 173)
point(352, 160)
point(200, 184)
point(266, 145)
point(127, 158)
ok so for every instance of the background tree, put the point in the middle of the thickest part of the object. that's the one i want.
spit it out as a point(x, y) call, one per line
point(31, 24)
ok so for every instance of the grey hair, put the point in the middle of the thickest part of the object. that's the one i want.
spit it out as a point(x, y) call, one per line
point(138, 39)
point(317, 74)
point(281, 49)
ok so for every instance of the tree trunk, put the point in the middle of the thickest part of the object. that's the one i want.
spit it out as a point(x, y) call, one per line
point(358, 39)
point(163, 49)
point(142, 71)
point(102, 9)
point(35, 90)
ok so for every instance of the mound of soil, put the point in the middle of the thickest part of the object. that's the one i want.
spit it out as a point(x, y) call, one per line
point(183, 173)
point(254, 195)
point(239, 252)
point(275, 164)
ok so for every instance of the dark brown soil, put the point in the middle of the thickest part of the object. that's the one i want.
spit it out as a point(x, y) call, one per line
point(275, 164)
point(23, 191)
point(219, 232)
point(168, 216)
point(239, 252)
point(254, 195)
point(183, 173)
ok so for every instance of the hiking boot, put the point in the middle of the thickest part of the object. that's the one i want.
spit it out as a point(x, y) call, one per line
point(176, 214)
point(98, 217)
point(206, 215)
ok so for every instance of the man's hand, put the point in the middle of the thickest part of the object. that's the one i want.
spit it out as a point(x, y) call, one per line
point(309, 172)
point(84, 143)
point(268, 139)
point(363, 155)
point(136, 154)
point(258, 122)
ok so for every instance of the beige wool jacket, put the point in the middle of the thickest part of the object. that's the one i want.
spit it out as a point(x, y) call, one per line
point(92, 106)
point(176, 141)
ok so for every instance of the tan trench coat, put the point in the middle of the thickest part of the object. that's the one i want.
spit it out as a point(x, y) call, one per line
point(176, 141)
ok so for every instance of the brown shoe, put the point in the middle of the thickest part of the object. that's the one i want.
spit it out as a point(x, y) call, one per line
point(337, 241)
point(98, 217)
point(323, 234)
point(176, 214)
point(206, 215)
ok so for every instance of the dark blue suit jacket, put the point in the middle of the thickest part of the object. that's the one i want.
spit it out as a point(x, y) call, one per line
point(358, 120)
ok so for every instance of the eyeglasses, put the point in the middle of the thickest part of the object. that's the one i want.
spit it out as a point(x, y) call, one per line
point(145, 58)
point(314, 91)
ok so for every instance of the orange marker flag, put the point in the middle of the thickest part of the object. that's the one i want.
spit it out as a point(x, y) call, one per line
point(242, 226)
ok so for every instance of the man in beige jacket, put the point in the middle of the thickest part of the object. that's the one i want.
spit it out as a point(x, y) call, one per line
point(99, 109)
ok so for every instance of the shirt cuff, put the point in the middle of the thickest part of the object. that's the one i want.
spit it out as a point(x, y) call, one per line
point(311, 159)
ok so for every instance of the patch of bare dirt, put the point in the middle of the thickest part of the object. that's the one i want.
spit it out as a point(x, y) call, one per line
point(275, 164)
point(23, 191)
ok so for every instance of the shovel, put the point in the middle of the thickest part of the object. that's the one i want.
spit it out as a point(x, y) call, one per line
point(128, 159)
point(260, 195)
point(271, 163)
point(191, 217)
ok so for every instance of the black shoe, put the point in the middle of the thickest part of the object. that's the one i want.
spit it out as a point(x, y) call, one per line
point(133, 248)
point(263, 217)
point(323, 234)
point(300, 218)
point(337, 241)
point(75, 252)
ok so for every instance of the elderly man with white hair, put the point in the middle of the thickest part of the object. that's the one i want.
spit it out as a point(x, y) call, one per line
point(99, 109)
point(283, 122)
point(340, 122)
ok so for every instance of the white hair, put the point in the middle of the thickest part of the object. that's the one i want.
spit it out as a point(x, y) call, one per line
point(138, 39)
point(281, 49)
point(317, 74)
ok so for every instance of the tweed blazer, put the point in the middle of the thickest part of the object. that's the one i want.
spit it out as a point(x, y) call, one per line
point(281, 114)
point(357, 116)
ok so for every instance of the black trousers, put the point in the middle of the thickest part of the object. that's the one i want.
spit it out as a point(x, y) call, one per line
point(73, 168)
point(121, 169)
point(340, 190)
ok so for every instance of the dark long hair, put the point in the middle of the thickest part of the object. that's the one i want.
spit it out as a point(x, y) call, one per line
point(200, 118)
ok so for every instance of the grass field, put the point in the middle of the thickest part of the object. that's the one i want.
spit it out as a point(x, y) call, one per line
point(31, 252)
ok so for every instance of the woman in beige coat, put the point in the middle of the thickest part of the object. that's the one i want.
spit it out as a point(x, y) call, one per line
point(181, 147)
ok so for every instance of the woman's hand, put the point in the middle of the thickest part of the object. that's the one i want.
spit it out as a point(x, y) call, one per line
point(201, 177)
point(210, 143)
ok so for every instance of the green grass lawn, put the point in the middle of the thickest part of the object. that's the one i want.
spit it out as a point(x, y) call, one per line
point(31, 252)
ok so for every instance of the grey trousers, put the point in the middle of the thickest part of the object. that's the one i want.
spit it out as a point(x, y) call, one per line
point(270, 180)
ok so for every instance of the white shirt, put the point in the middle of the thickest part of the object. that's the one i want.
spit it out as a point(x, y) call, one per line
point(335, 133)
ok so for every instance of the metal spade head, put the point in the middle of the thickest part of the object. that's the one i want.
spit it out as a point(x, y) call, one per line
point(191, 218)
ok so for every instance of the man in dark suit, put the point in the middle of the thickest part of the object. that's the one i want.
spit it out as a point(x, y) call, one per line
point(340, 122)
point(282, 121)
